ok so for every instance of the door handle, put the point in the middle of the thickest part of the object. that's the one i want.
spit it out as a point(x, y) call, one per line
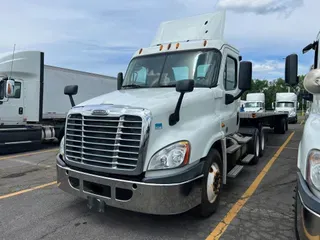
point(20, 110)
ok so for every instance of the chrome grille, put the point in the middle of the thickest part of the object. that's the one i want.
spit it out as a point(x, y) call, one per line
point(108, 142)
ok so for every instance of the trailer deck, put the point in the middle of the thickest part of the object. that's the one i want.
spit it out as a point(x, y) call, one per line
point(32, 206)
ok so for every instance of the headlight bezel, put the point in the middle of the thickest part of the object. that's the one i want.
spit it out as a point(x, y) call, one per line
point(154, 163)
point(62, 147)
point(309, 168)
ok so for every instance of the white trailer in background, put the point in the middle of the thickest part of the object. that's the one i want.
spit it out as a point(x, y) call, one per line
point(37, 109)
point(287, 102)
point(255, 102)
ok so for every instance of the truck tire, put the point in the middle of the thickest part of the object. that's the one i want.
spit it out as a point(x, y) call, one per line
point(211, 185)
point(280, 127)
point(295, 212)
point(254, 147)
point(262, 143)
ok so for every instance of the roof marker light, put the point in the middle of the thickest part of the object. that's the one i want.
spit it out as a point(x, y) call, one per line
point(169, 46)
point(140, 51)
point(161, 46)
point(177, 45)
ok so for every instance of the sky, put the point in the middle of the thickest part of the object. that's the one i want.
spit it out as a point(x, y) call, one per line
point(100, 36)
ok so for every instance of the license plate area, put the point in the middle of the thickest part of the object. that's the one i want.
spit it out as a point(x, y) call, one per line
point(96, 204)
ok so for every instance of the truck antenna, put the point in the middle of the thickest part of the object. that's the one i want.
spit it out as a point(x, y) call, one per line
point(14, 48)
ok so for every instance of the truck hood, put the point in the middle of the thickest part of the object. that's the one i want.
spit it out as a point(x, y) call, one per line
point(157, 99)
point(252, 109)
point(284, 109)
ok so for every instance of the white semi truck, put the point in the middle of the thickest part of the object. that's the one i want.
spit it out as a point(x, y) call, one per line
point(287, 102)
point(255, 102)
point(307, 191)
point(168, 138)
point(35, 109)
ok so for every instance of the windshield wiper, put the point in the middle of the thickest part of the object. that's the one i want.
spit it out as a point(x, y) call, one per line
point(132, 86)
point(168, 85)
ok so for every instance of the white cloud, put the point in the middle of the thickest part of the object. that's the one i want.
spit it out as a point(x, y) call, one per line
point(272, 69)
point(102, 35)
point(261, 6)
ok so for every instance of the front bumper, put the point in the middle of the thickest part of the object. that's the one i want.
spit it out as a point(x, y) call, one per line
point(292, 119)
point(308, 212)
point(151, 198)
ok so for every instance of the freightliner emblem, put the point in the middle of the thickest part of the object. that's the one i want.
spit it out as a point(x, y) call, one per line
point(99, 112)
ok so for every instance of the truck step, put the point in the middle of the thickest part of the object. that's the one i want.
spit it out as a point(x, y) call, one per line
point(233, 148)
point(242, 140)
point(235, 171)
point(247, 159)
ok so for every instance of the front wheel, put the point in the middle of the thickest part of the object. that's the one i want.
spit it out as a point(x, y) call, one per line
point(211, 185)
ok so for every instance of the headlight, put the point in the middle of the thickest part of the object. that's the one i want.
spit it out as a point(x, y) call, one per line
point(313, 168)
point(62, 147)
point(172, 156)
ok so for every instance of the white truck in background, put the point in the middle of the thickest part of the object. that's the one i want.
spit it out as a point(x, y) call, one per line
point(36, 108)
point(242, 105)
point(255, 102)
point(307, 191)
point(287, 102)
point(168, 138)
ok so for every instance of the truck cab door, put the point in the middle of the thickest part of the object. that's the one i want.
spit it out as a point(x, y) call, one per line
point(12, 109)
point(230, 112)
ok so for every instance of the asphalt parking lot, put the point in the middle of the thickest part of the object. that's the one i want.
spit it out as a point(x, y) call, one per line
point(255, 205)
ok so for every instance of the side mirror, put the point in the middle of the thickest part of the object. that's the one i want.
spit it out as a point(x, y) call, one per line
point(291, 70)
point(119, 80)
point(307, 96)
point(298, 105)
point(273, 105)
point(184, 86)
point(71, 90)
point(9, 89)
point(245, 75)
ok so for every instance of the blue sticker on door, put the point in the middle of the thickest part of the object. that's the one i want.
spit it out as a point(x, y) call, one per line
point(158, 126)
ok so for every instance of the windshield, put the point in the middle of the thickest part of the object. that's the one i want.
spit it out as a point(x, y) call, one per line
point(285, 104)
point(253, 104)
point(161, 70)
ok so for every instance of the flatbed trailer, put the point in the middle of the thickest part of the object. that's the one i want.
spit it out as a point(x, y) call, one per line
point(276, 120)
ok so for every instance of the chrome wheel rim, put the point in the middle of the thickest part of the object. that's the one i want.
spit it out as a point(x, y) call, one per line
point(213, 182)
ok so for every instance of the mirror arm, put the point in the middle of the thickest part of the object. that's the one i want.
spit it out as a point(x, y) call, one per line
point(72, 101)
point(175, 117)
point(239, 94)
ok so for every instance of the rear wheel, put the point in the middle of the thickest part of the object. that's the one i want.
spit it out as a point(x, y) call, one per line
point(254, 147)
point(262, 142)
point(211, 185)
point(280, 126)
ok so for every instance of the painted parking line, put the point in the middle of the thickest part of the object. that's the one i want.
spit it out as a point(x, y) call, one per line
point(27, 190)
point(28, 154)
point(223, 225)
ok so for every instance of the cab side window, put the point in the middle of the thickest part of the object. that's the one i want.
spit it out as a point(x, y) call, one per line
point(230, 74)
point(17, 90)
point(1, 90)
